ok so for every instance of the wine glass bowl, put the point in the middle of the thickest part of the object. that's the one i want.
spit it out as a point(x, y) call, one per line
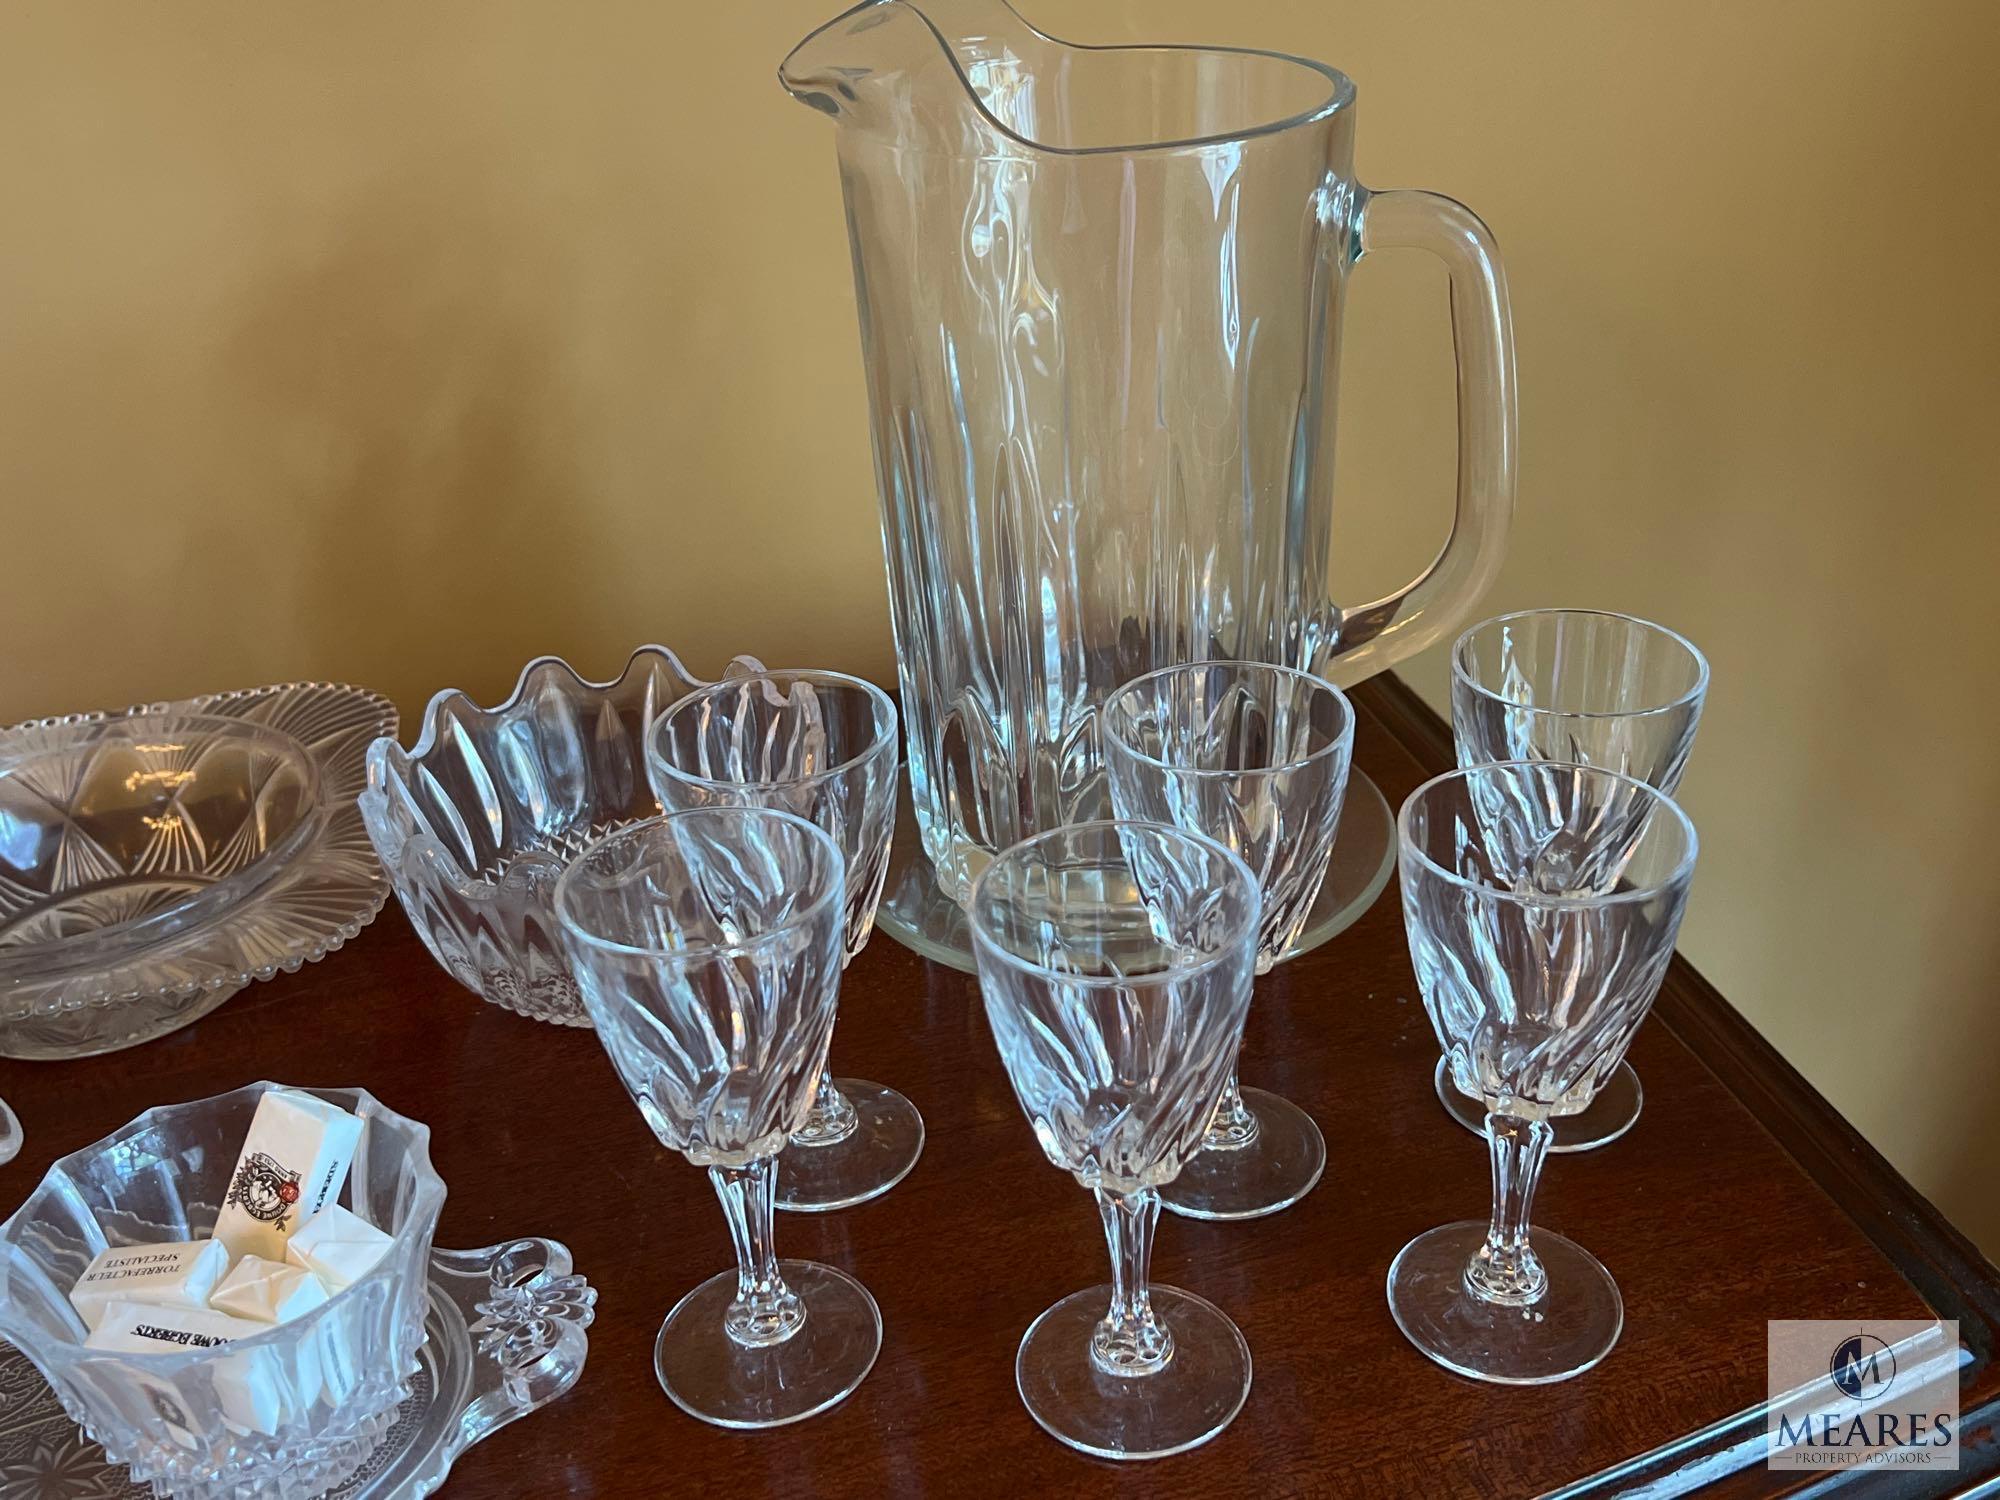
point(822, 746)
point(1580, 685)
point(1542, 901)
point(1115, 962)
point(1256, 757)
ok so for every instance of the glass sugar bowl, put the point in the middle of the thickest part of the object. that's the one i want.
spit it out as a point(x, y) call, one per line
point(289, 1413)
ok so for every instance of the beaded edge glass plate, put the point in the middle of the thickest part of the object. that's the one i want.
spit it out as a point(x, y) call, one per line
point(323, 896)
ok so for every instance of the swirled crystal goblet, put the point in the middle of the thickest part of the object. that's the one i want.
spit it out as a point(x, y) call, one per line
point(1255, 757)
point(1542, 901)
point(820, 745)
point(1597, 689)
point(1116, 959)
point(707, 947)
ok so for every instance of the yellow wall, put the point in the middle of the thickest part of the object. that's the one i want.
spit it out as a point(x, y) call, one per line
point(398, 343)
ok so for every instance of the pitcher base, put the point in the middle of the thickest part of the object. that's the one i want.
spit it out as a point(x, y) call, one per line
point(920, 916)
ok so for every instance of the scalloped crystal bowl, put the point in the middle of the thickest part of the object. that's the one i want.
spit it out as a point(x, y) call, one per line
point(332, 1380)
point(475, 822)
point(115, 833)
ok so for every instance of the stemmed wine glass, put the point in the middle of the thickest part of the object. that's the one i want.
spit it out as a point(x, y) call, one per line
point(707, 947)
point(820, 745)
point(1542, 900)
point(1593, 688)
point(1116, 961)
point(1255, 757)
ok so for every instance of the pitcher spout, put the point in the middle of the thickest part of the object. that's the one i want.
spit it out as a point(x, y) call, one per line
point(976, 76)
point(882, 63)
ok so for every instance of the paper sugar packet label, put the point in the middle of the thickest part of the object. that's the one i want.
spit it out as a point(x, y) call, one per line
point(292, 1165)
point(256, 1389)
point(181, 1274)
point(267, 1291)
point(337, 1247)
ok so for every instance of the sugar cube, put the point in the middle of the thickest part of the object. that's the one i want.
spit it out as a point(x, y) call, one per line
point(337, 1246)
point(181, 1274)
point(267, 1291)
point(256, 1389)
point(292, 1165)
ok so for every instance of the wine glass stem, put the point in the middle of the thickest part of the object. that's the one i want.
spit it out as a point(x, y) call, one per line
point(830, 1120)
point(1506, 1269)
point(1232, 1126)
point(764, 1311)
point(1130, 1340)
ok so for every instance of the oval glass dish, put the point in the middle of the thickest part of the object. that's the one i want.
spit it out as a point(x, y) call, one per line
point(477, 819)
point(155, 861)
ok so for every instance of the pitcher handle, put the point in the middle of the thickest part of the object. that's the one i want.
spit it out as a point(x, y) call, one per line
point(1373, 636)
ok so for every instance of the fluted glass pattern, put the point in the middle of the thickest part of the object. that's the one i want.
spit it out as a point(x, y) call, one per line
point(477, 819)
point(819, 745)
point(1542, 902)
point(707, 946)
point(1115, 960)
point(1100, 294)
point(333, 1378)
point(1253, 756)
point(1579, 685)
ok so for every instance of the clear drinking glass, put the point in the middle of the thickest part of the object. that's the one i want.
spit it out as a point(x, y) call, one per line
point(822, 746)
point(1255, 757)
point(1597, 689)
point(1542, 900)
point(1116, 961)
point(1101, 295)
point(707, 945)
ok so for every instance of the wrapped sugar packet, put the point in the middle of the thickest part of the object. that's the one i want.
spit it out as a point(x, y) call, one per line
point(292, 1165)
point(337, 1246)
point(257, 1388)
point(181, 1274)
point(267, 1291)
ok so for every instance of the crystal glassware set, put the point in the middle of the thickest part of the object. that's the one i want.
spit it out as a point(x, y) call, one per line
point(1543, 886)
point(1106, 509)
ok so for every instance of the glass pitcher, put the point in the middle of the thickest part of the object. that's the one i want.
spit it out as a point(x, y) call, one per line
point(1100, 293)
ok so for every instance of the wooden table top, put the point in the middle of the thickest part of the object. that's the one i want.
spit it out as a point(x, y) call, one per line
point(1740, 1196)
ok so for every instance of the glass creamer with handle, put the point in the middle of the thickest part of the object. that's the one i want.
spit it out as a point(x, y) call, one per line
point(1100, 292)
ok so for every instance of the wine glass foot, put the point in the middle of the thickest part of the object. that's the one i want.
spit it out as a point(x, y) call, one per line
point(10, 1133)
point(1273, 1172)
point(711, 1376)
point(1191, 1398)
point(1571, 1328)
point(1614, 1111)
point(865, 1164)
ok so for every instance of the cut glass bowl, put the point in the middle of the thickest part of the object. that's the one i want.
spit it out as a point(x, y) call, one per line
point(155, 861)
point(478, 818)
point(329, 1382)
